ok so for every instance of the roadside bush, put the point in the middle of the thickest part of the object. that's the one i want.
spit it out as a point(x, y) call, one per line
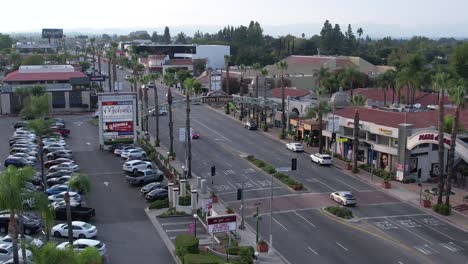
point(442, 209)
point(159, 204)
point(269, 169)
point(186, 244)
point(202, 258)
point(406, 181)
point(355, 170)
point(246, 254)
point(282, 135)
point(340, 211)
point(185, 200)
point(171, 212)
point(259, 163)
point(234, 251)
point(251, 158)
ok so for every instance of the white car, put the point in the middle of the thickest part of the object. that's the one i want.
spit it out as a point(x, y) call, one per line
point(29, 240)
point(26, 156)
point(96, 114)
point(136, 165)
point(81, 244)
point(321, 159)
point(134, 153)
point(294, 146)
point(80, 230)
point(65, 166)
point(50, 141)
point(28, 151)
point(162, 111)
point(74, 196)
point(126, 151)
point(6, 252)
point(344, 198)
point(119, 151)
point(58, 204)
point(53, 147)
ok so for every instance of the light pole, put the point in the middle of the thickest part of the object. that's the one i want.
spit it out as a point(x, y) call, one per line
point(372, 163)
point(195, 217)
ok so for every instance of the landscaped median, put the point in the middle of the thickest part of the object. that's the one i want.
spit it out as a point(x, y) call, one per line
point(284, 178)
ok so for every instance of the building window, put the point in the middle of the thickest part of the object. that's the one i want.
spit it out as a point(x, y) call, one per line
point(348, 131)
point(372, 137)
point(435, 147)
point(383, 140)
point(424, 145)
point(75, 98)
point(58, 99)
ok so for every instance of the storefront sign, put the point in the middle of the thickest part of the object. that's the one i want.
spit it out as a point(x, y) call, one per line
point(341, 140)
point(333, 124)
point(385, 131)
point(221, 223)
point(433, 137)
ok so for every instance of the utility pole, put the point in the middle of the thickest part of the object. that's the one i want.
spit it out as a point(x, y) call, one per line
point(242, 225)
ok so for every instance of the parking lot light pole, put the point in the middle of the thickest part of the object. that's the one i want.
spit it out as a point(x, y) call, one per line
point(195, 217)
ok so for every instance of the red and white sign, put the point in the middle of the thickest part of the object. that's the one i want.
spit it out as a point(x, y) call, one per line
point(222, 223)
point(119, 126)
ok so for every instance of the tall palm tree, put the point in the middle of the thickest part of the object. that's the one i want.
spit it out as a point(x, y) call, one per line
point(320, 74)
point(317, 111)
point(257, 68)
point(356, 100)
point(12, 195)
point(114, 62)
point(227, 60)
point(81, 184)
point(155, 77)
point(171, 124)
point(46, 212)
point(265, 74)
point(457, 96)
point(189, 85)
point(242, 69)
point(283, 66)
point(349, 76)
point(41, 128)
point(330, 83)
point(440, 82)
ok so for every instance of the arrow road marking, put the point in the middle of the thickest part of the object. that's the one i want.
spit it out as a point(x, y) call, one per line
point(106, 183)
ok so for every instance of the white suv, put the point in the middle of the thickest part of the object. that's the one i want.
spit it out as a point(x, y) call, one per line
point(321, 159)
point(135, 165)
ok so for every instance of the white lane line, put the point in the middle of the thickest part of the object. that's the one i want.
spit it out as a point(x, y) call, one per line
point(390, 216)
point(433, 228)
point(229, 165)
point(341, 246)
point(389, 203)
point(313, 251)
point(176, 230)
point(252, 190)
point(232, 185)
point(345, 184)
point(325, 184)
point(280, 224)
point(214, 131)
point(303, 218)
point(399, 262)
point(410, 231)
point(177, 223)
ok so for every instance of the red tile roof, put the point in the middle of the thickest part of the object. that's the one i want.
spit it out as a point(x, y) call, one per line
point(423, 98)
point(17, 76)
point(301, 60)
point(343, 62)
point(421, 119)
point(292, 92)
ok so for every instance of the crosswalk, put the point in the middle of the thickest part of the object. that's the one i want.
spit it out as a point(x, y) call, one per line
point(452, 246)
point(428, 250)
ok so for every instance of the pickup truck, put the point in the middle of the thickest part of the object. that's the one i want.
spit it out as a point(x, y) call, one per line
point(77, 213)
point(145, 176)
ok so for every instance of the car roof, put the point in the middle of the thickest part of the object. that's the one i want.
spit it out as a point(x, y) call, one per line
point(344, 192)
point(89, 242)
point(6, 245)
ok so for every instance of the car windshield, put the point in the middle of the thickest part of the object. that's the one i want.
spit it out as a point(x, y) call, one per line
point(87, 226)
point(349, 196)
point(326, 158)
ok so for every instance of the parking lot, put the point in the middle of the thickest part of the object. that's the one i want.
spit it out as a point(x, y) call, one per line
point(120, 218)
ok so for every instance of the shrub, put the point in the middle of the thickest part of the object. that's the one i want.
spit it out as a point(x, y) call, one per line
point(282, 135)
point(159, 204)
point(355, 170)
point(229, 210)
point(202, 258)
point(233, 251)
point(340, 211)
point(442, 209)
point(171, 212)
point(406, 181)
point(259, 163)
point(186, 244)
point(84, 105)
point(185, 200)
point(246, 254)
point(269, 169)
point(251, 158)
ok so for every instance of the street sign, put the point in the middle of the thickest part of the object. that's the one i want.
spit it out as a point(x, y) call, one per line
point(221, 223)
point(333, 124)
point(181, 134)
point(97, 78)
point(341, 140)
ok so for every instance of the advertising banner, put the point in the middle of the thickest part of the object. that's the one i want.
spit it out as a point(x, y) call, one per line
point(116, 111)
point(52, 33)
point(221, 223)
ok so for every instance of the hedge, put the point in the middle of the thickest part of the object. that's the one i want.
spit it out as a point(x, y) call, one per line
point(185, 200)
point(340, 211)
point(186, 244)
point(442, 209)
point(246, 254)
point(159, 204)
point(202, 258)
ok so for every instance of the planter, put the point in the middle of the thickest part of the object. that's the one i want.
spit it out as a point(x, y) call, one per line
point(426, 204)
point(214, 199)
point(387, 185)
point(349, 167)
point(262, 247)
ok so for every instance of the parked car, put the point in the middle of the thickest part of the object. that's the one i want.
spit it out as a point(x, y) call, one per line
point(71, 166)
point(20, 140)
point(60, 154)
point(116, 146)
point(145, 176)
point(157, 194)
point(250, 125)
point(17, 162)
point(162, 111)
point(58, 124)
point(134, 153)
point(56, 189)
point(136, 158)
point(135, 165)
point(96, 114)
point(53, 147)
point(19, 124)
point(58, 180)
point(80, 244)
point(435, 191)
point(25, 156)
point(58, 174)
point(54, 119)
point(6, 252)
point(119, 151)
point(28, 151)
point(344, 198)
point(50, 141)
point(150, 85)
point(151, 186)
point(127, 77)
point(59, 197)
point(58, 161)
point(77, 212)
point(28, 239)
point(80, 230)
point(294, 146)
point(62, 131)
point(29, 225)
point(62, 204)
point(29, 145)
point(321, 159)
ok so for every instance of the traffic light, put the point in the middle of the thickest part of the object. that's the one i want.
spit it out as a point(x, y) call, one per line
point(213, 170)
point(293, 164)
point(239, 194)
point(333, 138)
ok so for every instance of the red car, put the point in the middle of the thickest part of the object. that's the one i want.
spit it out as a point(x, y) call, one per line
point(62, 131)
point(195, 134)
point(54, 162)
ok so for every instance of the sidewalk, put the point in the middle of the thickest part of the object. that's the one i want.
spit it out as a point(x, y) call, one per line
point(404, 192)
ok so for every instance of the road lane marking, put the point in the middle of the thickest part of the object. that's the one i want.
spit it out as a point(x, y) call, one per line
point(389, 216)
point(214, 131)
point(303, 218)
point(434, 229)
point(345, 184)
point(399, 262)
point(232, 185)
point(341, 246)
point(313, 251)
point(413, 233)
point(388, 203)
point(177, 223)
point(250, 190)
point(426, 250)
point(280, 224)
point(106, 183)
point(452, 246)
point(325, 185)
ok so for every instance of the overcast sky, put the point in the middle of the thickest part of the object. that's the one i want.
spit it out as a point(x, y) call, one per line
point(33, 15)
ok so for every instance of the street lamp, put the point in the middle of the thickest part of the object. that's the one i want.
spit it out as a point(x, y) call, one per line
point(372, 162)
point(195, 217)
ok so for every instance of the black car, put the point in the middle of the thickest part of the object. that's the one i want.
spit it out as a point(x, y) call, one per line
point(152, 186)
point(29, 225)
point(59, 173)
point(17, 162)
point(77, 213)
point(21, 124)
point(157, 194)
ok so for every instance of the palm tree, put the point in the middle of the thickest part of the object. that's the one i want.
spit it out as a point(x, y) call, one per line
point(283, 66)
point(114, 62)
point(356, 100)
point(242, 69)
point(171, 124)
point(189, 85)
point(264, 74)
point(227, 60)
point(109, 68)
point(390, 82)
point(457, 96)
point(317, 110)
point(41, 128)
point(155, 77)
point(320, 74)
point(257, 68)
point(440, 82)
point(349, 76)
point(81, 184)
point(12, 196)
point(330, 83)
point(46, 212)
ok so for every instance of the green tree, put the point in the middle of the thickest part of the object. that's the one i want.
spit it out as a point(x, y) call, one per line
point(189, 84)
point(5, 41)
point(227, 60)
point(318, 110)
point(50, 254)
point(12, 196)
point(80, 183)
point(46, 211)
point(320, 74)
point(33, 60)
point(182, 75)
point(356, 101)
point(283, 66)
point(264, 73)
point(41, 128)
point(167, 36)
point(349, 77)
point(459, 59)
point(181, 38)
point(155, 77)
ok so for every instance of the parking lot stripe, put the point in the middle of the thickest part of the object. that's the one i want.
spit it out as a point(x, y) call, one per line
point(410, 231)
point(177, 223)
point(390, 216)
point(452, 246)
point(341, 246)
point(304, 219)
point(432, 228)
point(280, 224)
point(313, 251)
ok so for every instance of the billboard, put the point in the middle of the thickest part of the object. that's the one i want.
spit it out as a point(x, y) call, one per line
point(117, 116)
point(52, 33)
point(221, 223)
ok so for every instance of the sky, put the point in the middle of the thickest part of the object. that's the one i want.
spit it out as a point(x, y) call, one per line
point(377, 17)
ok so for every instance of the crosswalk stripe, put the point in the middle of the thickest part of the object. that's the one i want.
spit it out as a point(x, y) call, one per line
point(452, 246)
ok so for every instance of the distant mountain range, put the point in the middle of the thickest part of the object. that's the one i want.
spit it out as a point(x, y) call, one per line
point(459, 31)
